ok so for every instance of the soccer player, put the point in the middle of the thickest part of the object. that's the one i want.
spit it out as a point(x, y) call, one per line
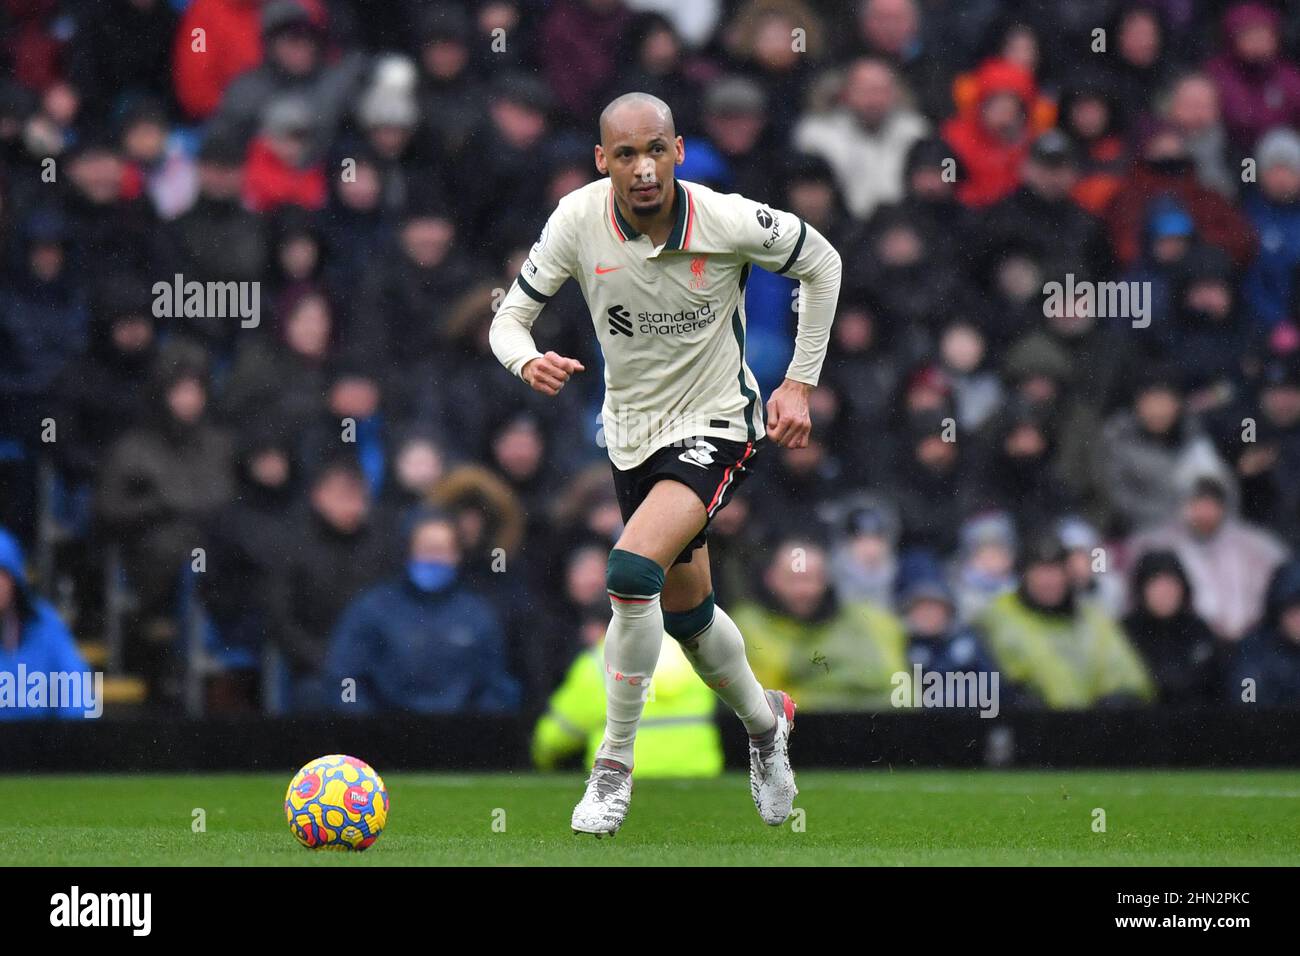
point(662, 265)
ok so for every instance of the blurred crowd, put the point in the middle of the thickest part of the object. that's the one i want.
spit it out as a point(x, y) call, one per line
point(1100, 505)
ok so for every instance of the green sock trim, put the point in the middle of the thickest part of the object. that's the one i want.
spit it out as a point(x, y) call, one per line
point(683, 625)
point(630, 575)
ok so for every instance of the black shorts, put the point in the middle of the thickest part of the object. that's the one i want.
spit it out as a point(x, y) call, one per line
point(711, 467)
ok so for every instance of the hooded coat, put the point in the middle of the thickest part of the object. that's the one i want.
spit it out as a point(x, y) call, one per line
point(1181, 651)
point(33, 636)
point(1268, 657)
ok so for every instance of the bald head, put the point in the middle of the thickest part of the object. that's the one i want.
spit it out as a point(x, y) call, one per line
point(638, 149)
point(635, 111)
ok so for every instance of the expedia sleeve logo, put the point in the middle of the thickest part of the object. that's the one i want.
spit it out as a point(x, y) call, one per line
point(770, 222)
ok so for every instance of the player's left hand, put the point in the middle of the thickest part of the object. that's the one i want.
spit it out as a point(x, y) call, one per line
point(788, 423)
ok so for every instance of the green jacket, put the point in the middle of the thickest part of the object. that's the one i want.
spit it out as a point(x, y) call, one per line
point(677, 736)
point(1070, 662)
point(845, 663)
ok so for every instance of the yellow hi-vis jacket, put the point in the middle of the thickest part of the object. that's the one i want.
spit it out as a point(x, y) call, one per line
point(676, 737)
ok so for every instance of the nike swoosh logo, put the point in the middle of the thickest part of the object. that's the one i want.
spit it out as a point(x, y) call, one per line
point(601, 271)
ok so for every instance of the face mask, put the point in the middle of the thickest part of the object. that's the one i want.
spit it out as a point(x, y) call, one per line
point(431, 576)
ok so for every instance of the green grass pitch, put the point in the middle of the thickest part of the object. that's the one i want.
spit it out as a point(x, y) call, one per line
point(955, 818)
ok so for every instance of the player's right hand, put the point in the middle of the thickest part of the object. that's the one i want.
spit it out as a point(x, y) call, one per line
point(548, 373)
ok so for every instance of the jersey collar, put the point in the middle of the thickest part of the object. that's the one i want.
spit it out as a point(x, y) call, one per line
point(683, 222)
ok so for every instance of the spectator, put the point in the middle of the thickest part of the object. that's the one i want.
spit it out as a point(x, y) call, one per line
point(827, 654)
point(1141, 62)
point(1088, 564)
point(32, 636)
point(1091, 116)
point(893, 30)
point(352, 415)
point(1274, 210)
point(1259, 88)
point(655, 59)
point(1263, 465)
point(1021, 466)
point(98, 396)
point(279, 171)
point(1166, 169)
point(1228, 561)
point(1211, 339)
point(452, 98)
point(933, 485)
point(1056, 648)
point(161, 483)
point(355, 226)
point(496, 180)
point(677, 736)
point(863, 562)
point(157, 161)
point(1147, 447)
point(1193, 110)
point(244, 542)
point(388, 114)
point(419, 464)
point(985, 565)
point(735, 118)
point(776, 42)
point(43, 322)
point(294, 68)
point(406, 299)
point(1267, 669)
point(1043, 212)
point(112, 226)
point(333, 551)
point(579, 39)
point(992, 136)
point(1044, 381)
point(866, 139)
point(216, 239)
point(423, 642)
point(496, 545)
point(1181, 652)
point(938, 644)
point(976, 388)
point(233, 27)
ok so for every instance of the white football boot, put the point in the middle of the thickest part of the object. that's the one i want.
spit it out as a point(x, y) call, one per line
point(603, 807)
point(771, 779)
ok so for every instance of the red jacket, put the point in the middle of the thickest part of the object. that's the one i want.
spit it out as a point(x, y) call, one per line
point(233, 44)
point(1218, 222)
point(269, 183)
point(991, 166)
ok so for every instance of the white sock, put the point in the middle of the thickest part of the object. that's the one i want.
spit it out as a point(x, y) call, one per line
point(718, 655)
point(632, 644)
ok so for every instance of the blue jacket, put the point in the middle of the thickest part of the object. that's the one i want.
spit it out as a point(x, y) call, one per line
point(1266, 656)
point(44, 643)
point(428, 653)
point(1267, 286)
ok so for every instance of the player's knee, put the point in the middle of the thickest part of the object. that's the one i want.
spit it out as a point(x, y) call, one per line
point(632, 576)
point(685, 625)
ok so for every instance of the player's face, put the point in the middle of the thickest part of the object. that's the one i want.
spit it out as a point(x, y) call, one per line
point(640, 153)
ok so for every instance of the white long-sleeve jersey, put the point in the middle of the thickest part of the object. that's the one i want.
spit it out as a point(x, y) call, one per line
point(671, 319)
